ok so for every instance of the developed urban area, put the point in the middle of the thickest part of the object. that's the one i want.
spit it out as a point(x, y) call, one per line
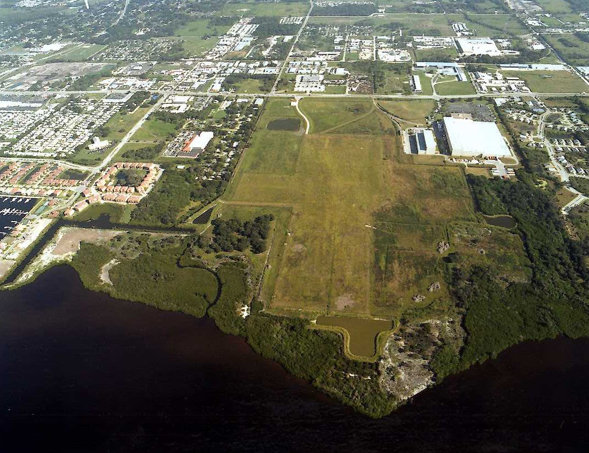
point(375, 194)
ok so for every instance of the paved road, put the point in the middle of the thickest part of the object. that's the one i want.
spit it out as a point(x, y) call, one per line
point(290, 95)
point(123, 12)
point(295, 40)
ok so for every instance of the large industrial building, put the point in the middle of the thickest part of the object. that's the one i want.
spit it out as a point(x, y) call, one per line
point(477, 46)
point(470, 138)
point(196, 145)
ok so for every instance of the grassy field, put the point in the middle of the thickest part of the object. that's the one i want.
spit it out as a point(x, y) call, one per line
point(414, 111)
point(394, 83)
point(571, 48)
point(426, 83)
point(436, 54)
point(495, 247)
point(80, 53)
point(199, 36)
point(344, 191)
point(327, 115)
point(264, 9)
point(555, 6)
point(550, 81)
point(117, 213)
point(495, 25)
point(119, 124)
point(154, 130)
point(454, 88)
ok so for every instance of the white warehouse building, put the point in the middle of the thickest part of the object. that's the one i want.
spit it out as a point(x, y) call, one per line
point(470, 138)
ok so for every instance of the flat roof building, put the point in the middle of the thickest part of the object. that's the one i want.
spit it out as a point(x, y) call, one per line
point(422, 141)
point(470, 138)
point(197, 144)
point(416, 84)
point(478, 46)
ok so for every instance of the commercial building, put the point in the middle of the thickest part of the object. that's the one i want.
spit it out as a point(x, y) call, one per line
point(416, 83)
point(470, 138)
point(197, 144)
point(421, 141)
point(478, 46)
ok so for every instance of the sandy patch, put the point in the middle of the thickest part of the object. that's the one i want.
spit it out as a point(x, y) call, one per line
point(70, 239)
point(104, 272)
point(344, 301)
point(299, 248)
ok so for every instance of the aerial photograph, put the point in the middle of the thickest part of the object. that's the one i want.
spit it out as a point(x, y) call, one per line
point(294, 226)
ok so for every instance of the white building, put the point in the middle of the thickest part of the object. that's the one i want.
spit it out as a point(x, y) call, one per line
point(200, 141)
point(478, 46)
point(475, 138)
point(97, 144)
point(416, 83)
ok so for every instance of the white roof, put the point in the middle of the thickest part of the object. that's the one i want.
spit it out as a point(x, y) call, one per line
point(201, 140)
point(475, 138)
point(478, 46)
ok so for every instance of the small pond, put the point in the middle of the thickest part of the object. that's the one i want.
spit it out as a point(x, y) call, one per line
point(284, 124)
point(504, 221)
point(204, 217)
point(363, 332)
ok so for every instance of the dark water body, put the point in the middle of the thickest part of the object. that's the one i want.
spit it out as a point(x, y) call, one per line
point(82, 372)
point(284, 124)
point(204, 217)
point(505, 221)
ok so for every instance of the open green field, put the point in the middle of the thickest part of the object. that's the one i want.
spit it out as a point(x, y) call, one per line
point(570, 47)
point(343, 116)
point(154, 130)
point(495, 25)
point(80, 53)
point(555, 6)
point(199, 35)
point(422, 24)
point(550, 81)
point(415, 111)
point(426, 83)
point(447, 54)
point(454, 87)
point(394, 83)
point(120, 124)
point(266, 9)
point(412, 24)
point(363, 229)
point(116, 213)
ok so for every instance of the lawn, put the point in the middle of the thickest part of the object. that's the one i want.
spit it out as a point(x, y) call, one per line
point(119, 125)
point(337, 187)
point(414, 111)
point(426, 83)
point(454, 88)
point(550, 81)
point(154, 130)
